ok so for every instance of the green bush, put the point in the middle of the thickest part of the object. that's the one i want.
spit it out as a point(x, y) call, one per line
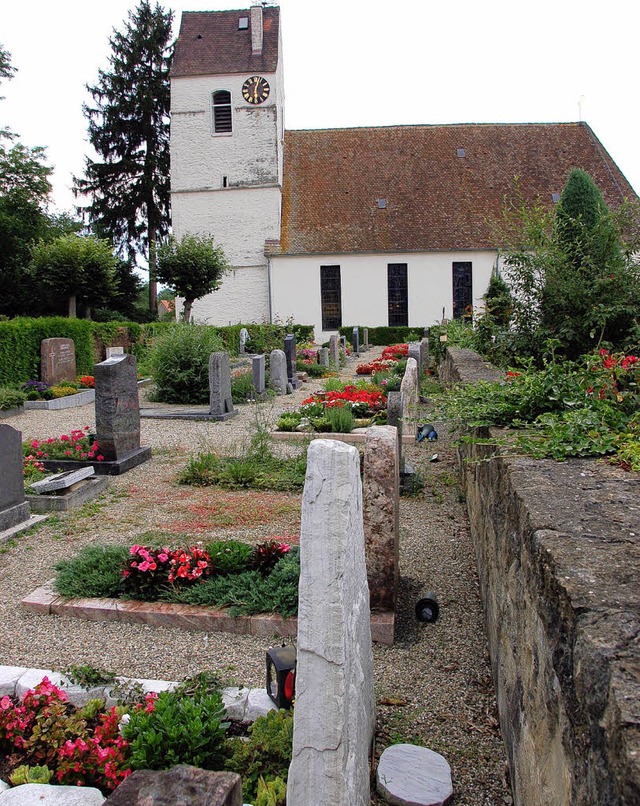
point(384, 336)
point(266, 755)
point(11, 398)
point(340, 418)
point(180, 363)
point(96, 571)
point(179, 730)
point(229, 556)
point(242, 388)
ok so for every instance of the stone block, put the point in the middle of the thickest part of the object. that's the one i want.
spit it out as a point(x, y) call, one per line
point(259, 703)
point(48, 795)
point(278, 372)
point(69, 499)
point(335, 711)
point(9, 676)
point(179, 785)
point(258, 370)
point(409, 775)
point(381, 514)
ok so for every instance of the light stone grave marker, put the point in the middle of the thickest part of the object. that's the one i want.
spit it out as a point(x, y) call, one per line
point(334, 716)
point(334, 352)
point(323, 356)
point(244, 338)
point(278, 372)
point(111, 351)
point(258, 370)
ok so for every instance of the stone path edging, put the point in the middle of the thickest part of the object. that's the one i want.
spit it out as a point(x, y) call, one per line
point(45, 601)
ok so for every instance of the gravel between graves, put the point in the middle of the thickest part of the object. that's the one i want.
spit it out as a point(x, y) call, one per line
point(433, 686)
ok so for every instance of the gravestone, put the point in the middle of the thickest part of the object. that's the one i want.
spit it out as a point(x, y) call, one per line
point(409, 392)
point(394, 418)
point(111, 351)
point(365, 339)
point(290, 353)
point(323, 356)
point(416, 354)
point(355, 341)
point(424, 354)
point(244, 338)
point(343, 344)
point(381, 514)
point(14, 508)
point(258, 368)
point(334, 716)
point(334, 352)
point(118, 415)
point(57, 361)
point(278, 372)
point(220, 402)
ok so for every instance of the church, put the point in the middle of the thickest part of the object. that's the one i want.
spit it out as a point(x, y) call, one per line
point(396, 225)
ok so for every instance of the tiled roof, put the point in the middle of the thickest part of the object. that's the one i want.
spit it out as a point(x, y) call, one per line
point(443, 186)
point(210, 43)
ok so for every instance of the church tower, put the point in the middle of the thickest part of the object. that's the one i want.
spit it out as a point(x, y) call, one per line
point(227, 134)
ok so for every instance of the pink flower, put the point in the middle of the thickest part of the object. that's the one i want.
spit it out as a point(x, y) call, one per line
point(64, 438)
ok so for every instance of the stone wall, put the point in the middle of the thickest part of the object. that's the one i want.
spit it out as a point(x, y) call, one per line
point(558, 550)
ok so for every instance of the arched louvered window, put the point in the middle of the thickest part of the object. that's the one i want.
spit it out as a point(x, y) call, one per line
point(221, 101)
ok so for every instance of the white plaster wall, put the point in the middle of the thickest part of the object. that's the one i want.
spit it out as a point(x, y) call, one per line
point(242, 297)
point(295, 286)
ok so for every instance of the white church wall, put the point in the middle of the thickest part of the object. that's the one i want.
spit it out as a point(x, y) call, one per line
point(242, 297)
point(295, 286)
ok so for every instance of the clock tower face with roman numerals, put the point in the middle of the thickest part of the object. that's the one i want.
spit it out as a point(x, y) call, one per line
point(255, 90)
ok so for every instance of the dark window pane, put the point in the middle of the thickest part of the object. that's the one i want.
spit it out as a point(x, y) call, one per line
point(462, 290)
point(397, 286)
point(331, 297)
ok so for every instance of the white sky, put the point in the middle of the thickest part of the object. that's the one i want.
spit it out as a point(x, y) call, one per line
point(360, 63)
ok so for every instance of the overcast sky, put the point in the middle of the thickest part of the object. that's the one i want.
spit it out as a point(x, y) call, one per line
point(360, 63)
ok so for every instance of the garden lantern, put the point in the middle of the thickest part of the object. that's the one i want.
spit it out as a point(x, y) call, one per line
point(281, 675)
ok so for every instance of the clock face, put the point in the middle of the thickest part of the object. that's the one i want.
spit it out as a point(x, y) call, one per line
point(255, 90)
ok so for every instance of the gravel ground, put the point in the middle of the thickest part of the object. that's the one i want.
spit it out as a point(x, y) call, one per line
point(433, 686)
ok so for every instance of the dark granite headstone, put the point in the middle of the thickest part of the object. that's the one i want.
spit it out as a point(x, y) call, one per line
point(57, 361)
point(258, 367)
point(290, 353)
point(14, 508)
point(355, 341)
point(343, 343)
point(220, 402)
point(118, 415)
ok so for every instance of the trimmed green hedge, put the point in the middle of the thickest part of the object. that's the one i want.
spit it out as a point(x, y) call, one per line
point(384, 336)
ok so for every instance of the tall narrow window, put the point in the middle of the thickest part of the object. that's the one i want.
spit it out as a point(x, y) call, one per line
point(398, 294)
point(462, 290)
point(331, 297)
point(221, 101)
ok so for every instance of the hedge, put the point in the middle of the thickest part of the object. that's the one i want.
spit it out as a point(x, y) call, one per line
point(384, 336)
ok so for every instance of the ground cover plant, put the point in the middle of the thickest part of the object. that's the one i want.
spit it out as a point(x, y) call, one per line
point(248, 579)
point(44, 739)
point(588, 407)
point(39, 390)
point(11, 398)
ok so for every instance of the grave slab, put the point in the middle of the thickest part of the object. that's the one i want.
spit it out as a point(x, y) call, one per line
point(68, 499)
point(409, 775)
point(61, 481)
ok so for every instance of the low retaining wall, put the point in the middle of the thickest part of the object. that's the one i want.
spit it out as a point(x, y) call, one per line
point(558, 550)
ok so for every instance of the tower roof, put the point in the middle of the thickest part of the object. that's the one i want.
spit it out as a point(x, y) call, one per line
point(213, 43)
point(424, 188)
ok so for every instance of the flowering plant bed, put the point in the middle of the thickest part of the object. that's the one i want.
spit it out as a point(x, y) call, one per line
point(337, 410)
point(74, 446)
point(395, 352)
point(247, 579)
point(378, 365)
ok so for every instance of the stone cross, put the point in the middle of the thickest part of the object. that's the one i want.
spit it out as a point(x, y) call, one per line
point(57, 361)
point(220, 402)
point(381, 514)
point(278, 372)
point(290, 353)
point(14, 508)
point(334, 353)
point(258, 367)
point(334, 716)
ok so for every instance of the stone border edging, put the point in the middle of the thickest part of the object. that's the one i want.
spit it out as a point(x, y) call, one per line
point(82, 398)
point(350, 439)
point(45, 601)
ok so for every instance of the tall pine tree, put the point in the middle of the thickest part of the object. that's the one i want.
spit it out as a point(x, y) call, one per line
point(129, 129)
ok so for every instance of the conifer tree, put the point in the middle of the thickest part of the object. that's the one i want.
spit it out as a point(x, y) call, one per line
point(129, 185)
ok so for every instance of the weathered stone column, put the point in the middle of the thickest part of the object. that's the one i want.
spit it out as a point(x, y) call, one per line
point(335, 708)
point(409, 391)
point(381, 514)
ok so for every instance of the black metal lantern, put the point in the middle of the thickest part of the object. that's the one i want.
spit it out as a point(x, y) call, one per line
point(281, 675)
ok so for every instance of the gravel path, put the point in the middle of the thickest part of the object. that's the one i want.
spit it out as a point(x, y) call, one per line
point(433, 686)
